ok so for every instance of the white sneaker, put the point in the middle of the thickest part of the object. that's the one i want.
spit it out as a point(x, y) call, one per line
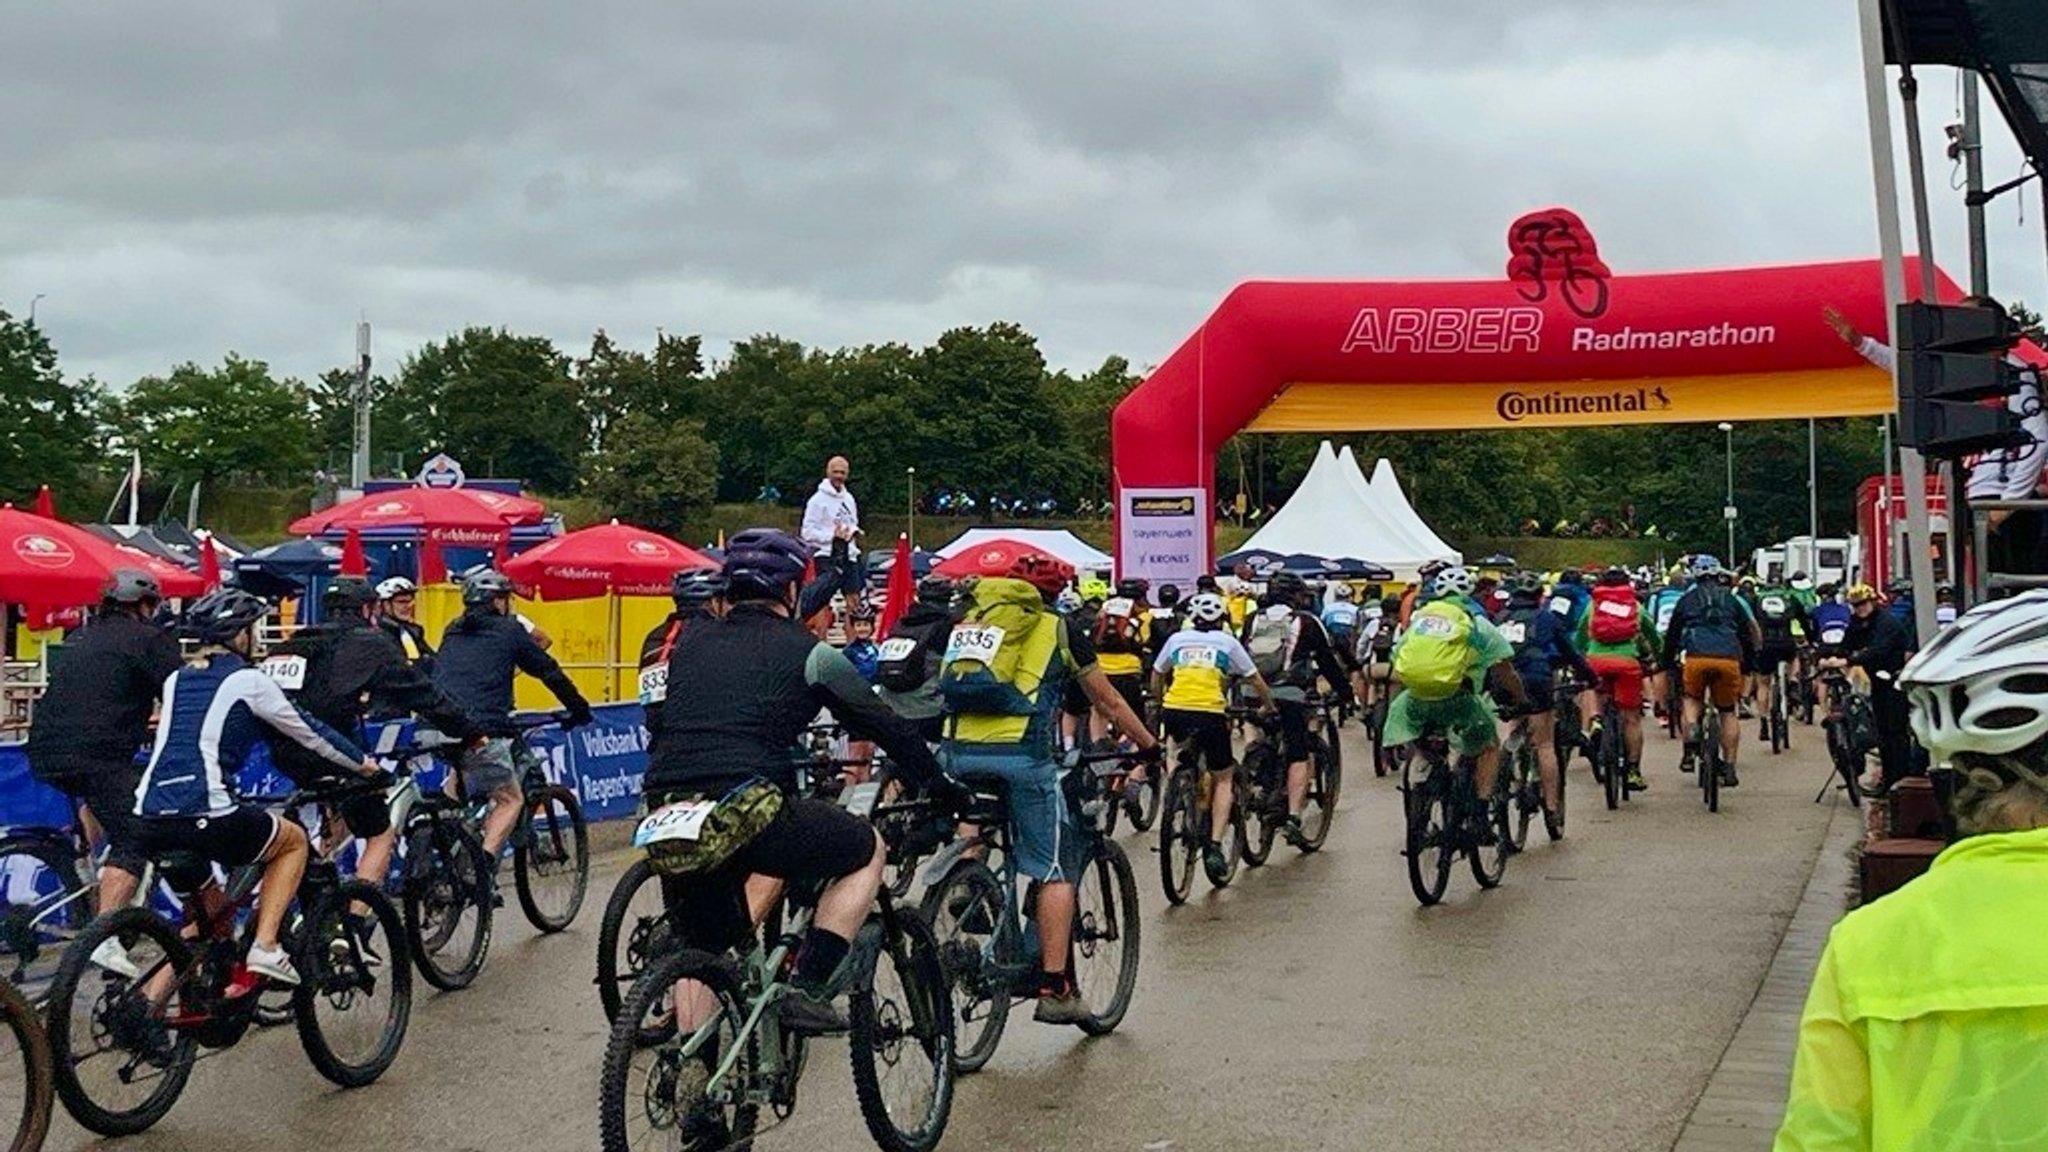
point(273, 963)
point(114, 958)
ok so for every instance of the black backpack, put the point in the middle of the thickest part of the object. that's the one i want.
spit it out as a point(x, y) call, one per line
point(910, 654)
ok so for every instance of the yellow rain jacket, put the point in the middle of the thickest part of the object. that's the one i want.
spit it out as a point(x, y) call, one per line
point(1927, 1024)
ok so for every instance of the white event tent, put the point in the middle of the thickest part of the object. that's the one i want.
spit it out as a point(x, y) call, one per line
point(1057, 542)
point(1385, 491)
point(1336, 513)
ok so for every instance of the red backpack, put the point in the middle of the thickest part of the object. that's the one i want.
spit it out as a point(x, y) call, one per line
point(1615, 614)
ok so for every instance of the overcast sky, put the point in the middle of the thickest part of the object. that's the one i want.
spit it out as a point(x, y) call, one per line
point(183, 179)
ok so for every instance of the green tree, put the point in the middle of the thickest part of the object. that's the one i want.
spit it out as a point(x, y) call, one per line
point(988, 432)
point(746, 414)
point(393, 433)
point(231, 423)
point(50, 428)
point(659, 474)
point(501, 403)
point(614, 382)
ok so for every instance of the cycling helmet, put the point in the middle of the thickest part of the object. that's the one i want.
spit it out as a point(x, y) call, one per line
point(861, 613)
point(1903, 586)
point(1286, 588)
point(1341, 591)
point(1527, 584)
point(764, 563)
point(1207, 608)
point(1132, 588)
point(395, 587)
point(346, 594)
point(1571, 576)
point(131, 586)
point(1429, 570)
point(220, 617)
point(697, 587)
point(1616, 575)
point(484, 585)
point(1452, 581)
point(1205, 583)
point(1801, 581)
point(1068, 601)
point(1861, 593)
point(1705, 565)
point(1169, 595)
point(935, 590)
point(1048, 574)
point(1095, 588)
point(1982, 685)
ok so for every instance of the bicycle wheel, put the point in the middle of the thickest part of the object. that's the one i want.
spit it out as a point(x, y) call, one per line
point(1232, 846)
point(1528, 797)
point(117, 1067)
point(1325, 784)
point(43, 906)
point(1255, 823)
point(1382, 756)
point(965, 910)
point(1145, 813)
point(1106, 938)
point(1181, 830)
point(1710, 765)
point(25, 1112)
point(634, 930)
point(447, 902)
point(655, 1096)
point(1490, 864)
point(901, 1039)
point(1845, 762)
point(355, 990)
point(1431, 844)
point(1613, 773)
point(551, 865)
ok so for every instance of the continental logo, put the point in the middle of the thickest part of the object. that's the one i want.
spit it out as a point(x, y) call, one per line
point(1517, 406)
point(1163, 506)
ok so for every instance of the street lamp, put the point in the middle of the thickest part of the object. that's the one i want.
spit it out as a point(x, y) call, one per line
point(910, 501)
point(32, 306)
point(1728, 507)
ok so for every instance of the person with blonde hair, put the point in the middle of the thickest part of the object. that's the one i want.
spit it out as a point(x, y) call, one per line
point(1927, 1023)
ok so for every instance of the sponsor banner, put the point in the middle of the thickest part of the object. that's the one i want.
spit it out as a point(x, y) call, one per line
point(610, 758)
point(1163, 535)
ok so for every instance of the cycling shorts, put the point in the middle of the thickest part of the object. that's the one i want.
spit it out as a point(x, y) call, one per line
point(239, 836)
point(1621, 677)
point(1294, 744)
point(1132, 688)
point(498, 764)
point(1208, 733)
point(1773, 653)
point(1074, 699)
point(1467, 720)
point(1717, 676)
point(1542, 694)
point(1042, 830)
point(110, 792)
point(808, 842)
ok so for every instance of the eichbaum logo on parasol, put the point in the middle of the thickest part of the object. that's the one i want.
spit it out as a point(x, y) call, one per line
point(388, 508)
point(43, 552)
point(652, 549)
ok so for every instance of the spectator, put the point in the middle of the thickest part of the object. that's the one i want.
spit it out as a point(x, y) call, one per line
point(1879, 645)
point(832, 526)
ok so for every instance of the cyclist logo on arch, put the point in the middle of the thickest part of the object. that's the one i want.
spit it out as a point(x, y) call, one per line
point(1554, 246)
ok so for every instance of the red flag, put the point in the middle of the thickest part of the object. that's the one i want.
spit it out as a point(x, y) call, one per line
point(209, 563)
point(353, 563)
point(433, 565)
point(46, 504)
point(901, 589)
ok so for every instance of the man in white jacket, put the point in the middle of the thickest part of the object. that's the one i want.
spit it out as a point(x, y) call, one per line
point(831, 516)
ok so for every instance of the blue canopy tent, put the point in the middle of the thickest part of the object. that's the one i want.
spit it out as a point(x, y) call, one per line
point(294, 568)
point(1260, 559)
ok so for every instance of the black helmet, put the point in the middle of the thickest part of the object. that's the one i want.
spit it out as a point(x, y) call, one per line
point(1286, 588)
point(1205, 583)
point(347, 594)
point(1169, 596)
point(936, 591)
point(1527, 584)
point(131, 586)
point(764, 562)
point(1571, 576)
point(860, 613)
point(219, 617)
point(484, 585)
point(1428, 571)
point(1132, 588)
point(1616, 575)
point(697, 587)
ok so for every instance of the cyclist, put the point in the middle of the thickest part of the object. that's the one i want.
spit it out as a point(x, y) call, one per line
point(215, 709)
point(481, 652)
point(756, 678)
point(1662, 603)
point(1415, 594)
point(1616, 634)
point(861, 650)
point(1287, 643)
point(1192, 678)
point(909, 671)
point(1340, 617)
point(1712, 631)
point(1446, 661)
point(1781, 620)
point(1830, 630)
point(1122, 638)
point(341, 671)
point(1077, 722)
point(1541, 644)
point(397, 611)
point(92, 720)
point(1006, 664)
point(1925, 1019)
point(1569, 597)
point(699, 594)
point(1169, 617)
point(1880, 645)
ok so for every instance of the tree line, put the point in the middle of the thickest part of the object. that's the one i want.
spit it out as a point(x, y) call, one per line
point(656, 436)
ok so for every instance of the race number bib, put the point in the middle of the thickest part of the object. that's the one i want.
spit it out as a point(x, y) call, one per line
point(898, 648)
point(1618, 611)
point(681, 821)
point(1665, 614)
point(654, 684)
point(860, 798)
point(1562, 605)
point(1514, 632)
point(1834, 634)
point(289, 672)
point(1119, 606)
point(1279, 612)
point(977, 642)
point(1773, 605)
point(1195, 656)
point(1439, 627)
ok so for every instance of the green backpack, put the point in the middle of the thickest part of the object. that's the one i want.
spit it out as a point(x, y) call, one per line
point(998, 658)
point(1435, 657)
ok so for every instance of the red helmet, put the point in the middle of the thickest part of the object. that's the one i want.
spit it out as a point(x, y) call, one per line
point(1048, 574)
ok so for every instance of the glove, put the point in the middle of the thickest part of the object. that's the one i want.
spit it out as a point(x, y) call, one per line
point(577, 717)
point(952, 795)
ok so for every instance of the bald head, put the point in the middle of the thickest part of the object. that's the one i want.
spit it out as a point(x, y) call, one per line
point(836, 470)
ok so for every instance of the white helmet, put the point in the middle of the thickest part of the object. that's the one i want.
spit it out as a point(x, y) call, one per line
point(1982, 685)
point(1342, 592)
point(1068, 601)
point(1453, 581)
point(395, 587)
point(1207, 608)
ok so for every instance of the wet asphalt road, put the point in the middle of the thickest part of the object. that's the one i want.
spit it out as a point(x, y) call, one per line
point(1312, 1005)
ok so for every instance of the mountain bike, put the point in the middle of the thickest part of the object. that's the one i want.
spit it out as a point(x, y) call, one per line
point(124, 1048)
point(550, 844)
point(46, 902)
point(988, 938)
point(1524, 774)
point(1803, 687)
point(1444, 815)
point(1184, 824)
point(1609, 751)
point(26, 1101)
point(1710, 756)
point(1778, 710)
point(1571, 724)
point(705, 1088)
point(443, 875)
point(1850, 731)
point(1262, 787)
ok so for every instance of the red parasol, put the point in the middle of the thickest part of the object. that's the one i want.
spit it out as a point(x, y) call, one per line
point(55, 565)
point(902, 587)
point(603, 559)
point(453, 512)
point(177, 583)
point(209, 564)
point(46, 504)
point(988, 558)
point(353, 563)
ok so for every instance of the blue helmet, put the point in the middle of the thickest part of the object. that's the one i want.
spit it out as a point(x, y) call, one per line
point(764, 562)
point(697, 587)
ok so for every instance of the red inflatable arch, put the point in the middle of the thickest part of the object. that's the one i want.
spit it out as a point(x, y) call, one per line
point(1557, 341)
